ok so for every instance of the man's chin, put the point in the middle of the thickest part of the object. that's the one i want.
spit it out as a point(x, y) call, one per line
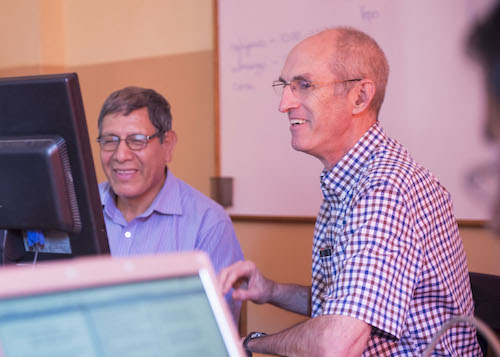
point(297, 146)
point(125, 191)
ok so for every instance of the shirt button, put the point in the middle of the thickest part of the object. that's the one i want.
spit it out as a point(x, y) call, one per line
point(128, 234)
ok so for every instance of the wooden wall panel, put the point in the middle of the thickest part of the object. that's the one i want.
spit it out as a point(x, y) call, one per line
point(186, 81)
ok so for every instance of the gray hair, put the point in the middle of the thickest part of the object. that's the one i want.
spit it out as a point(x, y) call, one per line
point(126, 100)
point(358, 55)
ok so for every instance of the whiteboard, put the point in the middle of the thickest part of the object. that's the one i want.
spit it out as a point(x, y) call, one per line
point(433, 106)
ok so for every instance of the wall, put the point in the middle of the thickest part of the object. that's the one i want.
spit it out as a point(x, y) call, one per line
point(116, 43)
point(251, 54)
point(165, 45)
point(19, 37)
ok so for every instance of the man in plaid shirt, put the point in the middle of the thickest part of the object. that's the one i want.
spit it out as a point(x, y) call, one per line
point(388, 265)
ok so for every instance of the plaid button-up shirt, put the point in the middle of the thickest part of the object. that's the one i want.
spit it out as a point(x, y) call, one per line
point(387, 251)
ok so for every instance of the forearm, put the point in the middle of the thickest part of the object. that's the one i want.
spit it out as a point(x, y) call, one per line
point(291, 297)
point(320, 336)
point(290, 342)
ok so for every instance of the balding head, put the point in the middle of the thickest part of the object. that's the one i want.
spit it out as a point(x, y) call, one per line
point(351, 54)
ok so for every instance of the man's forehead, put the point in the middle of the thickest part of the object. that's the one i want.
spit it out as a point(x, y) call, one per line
point(137, 114)
point(306, 60)
point(136, 119)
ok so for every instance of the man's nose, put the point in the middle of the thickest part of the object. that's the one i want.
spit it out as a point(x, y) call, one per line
point(122, 152)
point(288, 100)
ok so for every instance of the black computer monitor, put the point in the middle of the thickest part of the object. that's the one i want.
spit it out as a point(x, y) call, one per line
point(47, 178)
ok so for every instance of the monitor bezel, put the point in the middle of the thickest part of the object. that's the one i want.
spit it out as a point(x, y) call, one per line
point(53, 105)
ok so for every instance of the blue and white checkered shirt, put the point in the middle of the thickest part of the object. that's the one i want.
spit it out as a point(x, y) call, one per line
point(387, 251)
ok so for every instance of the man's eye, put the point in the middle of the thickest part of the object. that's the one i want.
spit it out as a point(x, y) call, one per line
point(137, 138)
point(136, 142)
point(302, 84)
point(108, 140)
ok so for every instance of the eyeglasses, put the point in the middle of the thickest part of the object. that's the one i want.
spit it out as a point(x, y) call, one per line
point(134, 142)
point(301, 87)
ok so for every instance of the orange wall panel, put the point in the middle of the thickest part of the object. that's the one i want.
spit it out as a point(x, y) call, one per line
point(186, 81)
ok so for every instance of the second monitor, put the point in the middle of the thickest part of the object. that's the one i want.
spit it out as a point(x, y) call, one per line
point(48, 185)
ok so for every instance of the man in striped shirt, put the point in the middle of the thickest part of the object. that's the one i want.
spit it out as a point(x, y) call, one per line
point(147, 210)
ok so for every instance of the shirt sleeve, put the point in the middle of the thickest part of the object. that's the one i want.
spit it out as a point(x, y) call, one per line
point(375, 262)
point(218, 238)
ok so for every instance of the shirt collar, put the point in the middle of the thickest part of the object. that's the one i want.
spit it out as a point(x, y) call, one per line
point(168, 200)
point(338, 182)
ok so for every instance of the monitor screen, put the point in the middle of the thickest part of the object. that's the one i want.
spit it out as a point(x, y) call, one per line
point(149, 318)
point(149, 305)
point(48, 185)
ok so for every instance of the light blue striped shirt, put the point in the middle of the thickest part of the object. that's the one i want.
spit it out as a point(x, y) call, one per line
point(179, 219)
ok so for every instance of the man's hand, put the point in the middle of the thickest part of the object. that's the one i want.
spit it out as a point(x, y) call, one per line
point(247, 281)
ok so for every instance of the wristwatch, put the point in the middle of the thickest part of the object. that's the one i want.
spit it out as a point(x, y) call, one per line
point(251, 336)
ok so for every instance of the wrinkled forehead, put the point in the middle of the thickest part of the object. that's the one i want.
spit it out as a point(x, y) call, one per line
point(310, 59)
point(134, 122)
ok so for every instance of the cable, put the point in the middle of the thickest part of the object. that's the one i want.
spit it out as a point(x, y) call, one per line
point(37, 249)
point(487, 332)
point(35, 238)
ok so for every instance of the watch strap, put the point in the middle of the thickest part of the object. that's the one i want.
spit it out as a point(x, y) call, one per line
point(249, 337)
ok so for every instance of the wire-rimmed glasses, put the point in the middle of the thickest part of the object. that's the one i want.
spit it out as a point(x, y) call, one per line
point(301, 87)
point(134, 141)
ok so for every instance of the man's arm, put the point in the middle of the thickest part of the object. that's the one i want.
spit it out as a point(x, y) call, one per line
point(327, 335)
point(220, 242)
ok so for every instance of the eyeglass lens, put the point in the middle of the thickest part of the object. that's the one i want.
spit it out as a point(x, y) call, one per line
point(134, 142)
point(298, 86)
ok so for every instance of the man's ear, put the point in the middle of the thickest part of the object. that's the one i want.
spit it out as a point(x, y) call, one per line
point(363, 94)
point(169, 141)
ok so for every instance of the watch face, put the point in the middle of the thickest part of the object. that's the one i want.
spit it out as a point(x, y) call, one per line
point(256, 334)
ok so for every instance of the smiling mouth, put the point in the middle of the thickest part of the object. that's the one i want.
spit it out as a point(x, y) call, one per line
point(124, 171)
point(294, 122)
